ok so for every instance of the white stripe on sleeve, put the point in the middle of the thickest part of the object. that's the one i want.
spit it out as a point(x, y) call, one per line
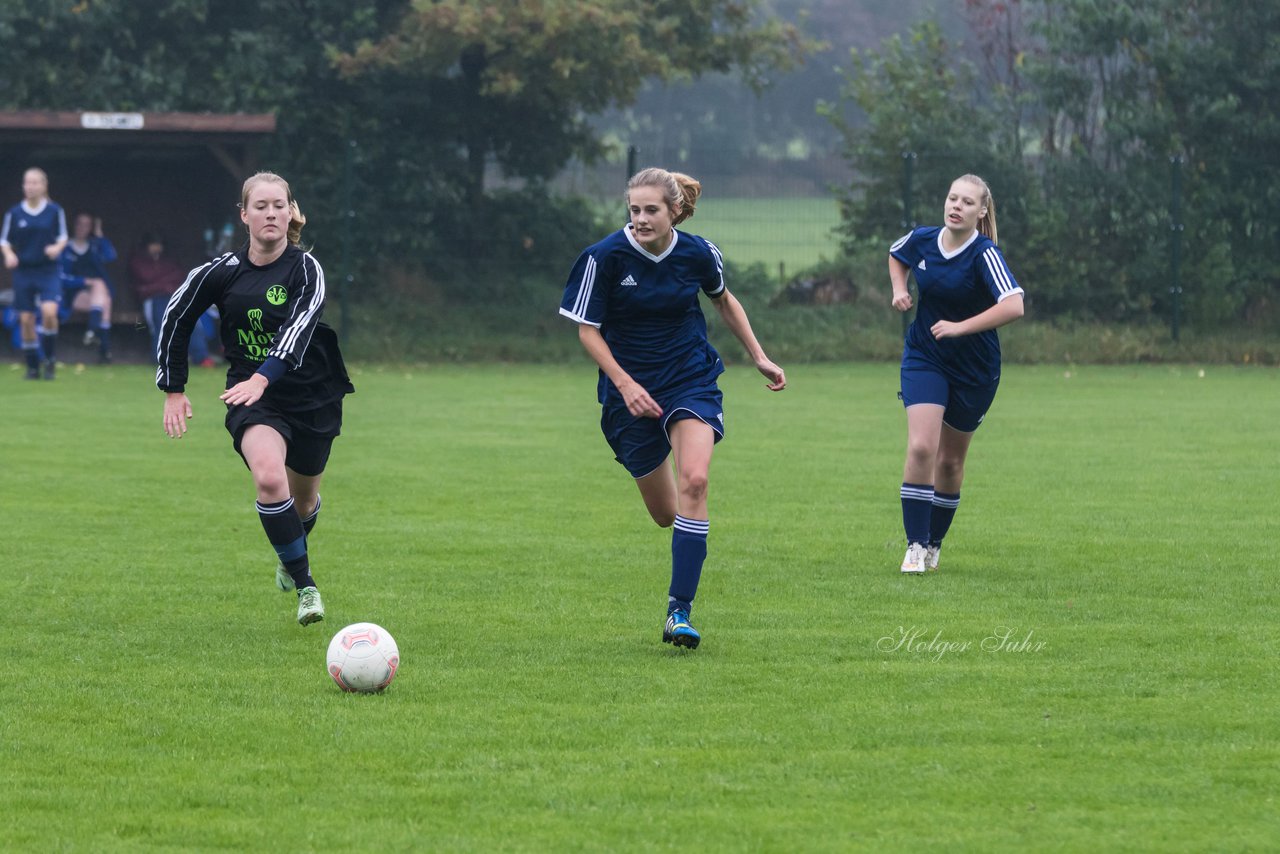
point(302, 316)
point(585, 287)
point(715, 250)
point(1000, 274)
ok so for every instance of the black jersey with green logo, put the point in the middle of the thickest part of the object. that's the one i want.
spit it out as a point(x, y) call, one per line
point(273, 310)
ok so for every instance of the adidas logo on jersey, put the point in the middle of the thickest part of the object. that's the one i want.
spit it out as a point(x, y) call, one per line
point(921, 264)
point(629, 282)
point(232, 261)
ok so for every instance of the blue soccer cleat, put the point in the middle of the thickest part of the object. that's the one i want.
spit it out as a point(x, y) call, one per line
point(678, 631)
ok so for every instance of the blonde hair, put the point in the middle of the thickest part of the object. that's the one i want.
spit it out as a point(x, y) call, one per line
point(44, 176)
point(987, 223)
point(296, 219)
point(680, 191)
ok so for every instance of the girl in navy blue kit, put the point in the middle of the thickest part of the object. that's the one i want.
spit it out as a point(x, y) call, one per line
point(951, 358)
point(634, 296)
point(32, 238)
point(285, 380)
point(86, 285)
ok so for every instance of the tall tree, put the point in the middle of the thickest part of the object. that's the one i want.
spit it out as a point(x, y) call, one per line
point(516, 80)
point(1081, 114)
point(916, 100)
point(1130, 87)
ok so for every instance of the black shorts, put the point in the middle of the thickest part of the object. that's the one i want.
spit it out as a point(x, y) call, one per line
point(308, 434)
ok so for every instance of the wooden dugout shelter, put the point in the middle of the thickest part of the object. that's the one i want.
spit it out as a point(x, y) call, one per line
point(176, 173)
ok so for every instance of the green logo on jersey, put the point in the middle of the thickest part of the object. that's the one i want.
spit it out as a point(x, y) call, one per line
point(276, 295)
point(255, 318)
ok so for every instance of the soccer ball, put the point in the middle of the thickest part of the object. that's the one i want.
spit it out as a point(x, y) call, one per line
point(363, 657)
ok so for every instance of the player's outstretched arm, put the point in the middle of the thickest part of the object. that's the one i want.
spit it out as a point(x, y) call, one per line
point(735, 317)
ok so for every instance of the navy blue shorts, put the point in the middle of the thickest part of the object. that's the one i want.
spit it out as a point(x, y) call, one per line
point(964, 407)
point(32, 287)
point(308, 434)
point(643, 444)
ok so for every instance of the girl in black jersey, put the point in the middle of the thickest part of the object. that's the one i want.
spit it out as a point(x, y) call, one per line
point(286, 378)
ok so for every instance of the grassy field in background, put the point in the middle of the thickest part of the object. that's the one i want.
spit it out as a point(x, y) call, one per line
point(1093, 668)
point(794, 232)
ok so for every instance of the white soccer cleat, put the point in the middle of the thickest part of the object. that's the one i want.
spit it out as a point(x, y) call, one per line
point(310, 608)
point(931, 557)
point(914, 562)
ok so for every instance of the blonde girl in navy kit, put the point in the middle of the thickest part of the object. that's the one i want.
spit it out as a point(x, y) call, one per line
point(951, 357)
point(32, 237)
point(635, 297)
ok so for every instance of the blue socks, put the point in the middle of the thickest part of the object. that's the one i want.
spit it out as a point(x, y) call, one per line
point(100, 329)
point(688, 552)
point(289, 539)
point(944, 510)
point(917, 510)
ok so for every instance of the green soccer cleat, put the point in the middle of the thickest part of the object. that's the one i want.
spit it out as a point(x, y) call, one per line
point(678, 631)
point(283, 579)
point(310, 608)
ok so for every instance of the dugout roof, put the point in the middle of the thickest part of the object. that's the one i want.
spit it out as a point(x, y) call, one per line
point(179, 173)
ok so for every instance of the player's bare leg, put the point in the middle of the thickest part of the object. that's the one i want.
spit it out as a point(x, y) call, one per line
point(658, 489)
point(264, 450)
point(948, 475)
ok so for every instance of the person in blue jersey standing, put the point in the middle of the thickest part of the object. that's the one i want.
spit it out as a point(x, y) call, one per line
point(634, 296)
point(285, 380)
point(951, 358)
point(86, 285)
point(32, 237)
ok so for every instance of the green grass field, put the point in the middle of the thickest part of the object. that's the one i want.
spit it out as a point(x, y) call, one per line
point(795, 232)
point(1115, 532)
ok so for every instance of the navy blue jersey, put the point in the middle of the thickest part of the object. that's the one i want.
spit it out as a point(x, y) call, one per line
point(29, 230)
point(955, 286)
point(646, 308)
point(273, 310)
point(89, 264)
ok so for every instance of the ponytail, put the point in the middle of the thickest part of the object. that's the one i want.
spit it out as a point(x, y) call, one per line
point(679, 191)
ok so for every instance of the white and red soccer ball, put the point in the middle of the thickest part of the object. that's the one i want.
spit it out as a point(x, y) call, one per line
point(363, 657)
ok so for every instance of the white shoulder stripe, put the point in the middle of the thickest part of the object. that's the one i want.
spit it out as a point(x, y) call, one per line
point(301, 316)
point(999, 270)
point(900, 242)
point(177, 306)
point(715, 250)
point(585, 287)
